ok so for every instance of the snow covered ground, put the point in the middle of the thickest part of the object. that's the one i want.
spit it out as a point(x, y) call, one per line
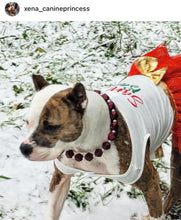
point(96, 53)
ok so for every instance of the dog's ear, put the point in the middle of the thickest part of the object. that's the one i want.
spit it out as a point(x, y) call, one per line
point(78, 96)
point(39, 82)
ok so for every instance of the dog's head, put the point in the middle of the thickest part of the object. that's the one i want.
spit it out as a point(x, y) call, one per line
point(54, 119)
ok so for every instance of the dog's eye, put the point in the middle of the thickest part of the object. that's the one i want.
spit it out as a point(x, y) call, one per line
point(50, 127)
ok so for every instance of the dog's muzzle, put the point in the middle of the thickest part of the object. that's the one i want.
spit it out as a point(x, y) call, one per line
point(26, 149)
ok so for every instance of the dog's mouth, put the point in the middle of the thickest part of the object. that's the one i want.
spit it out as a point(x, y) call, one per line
point(44, 154)
point(37, 153)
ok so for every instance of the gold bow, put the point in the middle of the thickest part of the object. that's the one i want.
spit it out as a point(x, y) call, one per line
point(147, 65)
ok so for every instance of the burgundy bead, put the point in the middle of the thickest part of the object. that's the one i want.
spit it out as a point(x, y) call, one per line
point(98, 153)
point(113, 114)
point(114, 125)
point(97, 91)
point(79, 157)
point(110, 105)
point(89, 156)
point(105, 97)
point(69, 153)
point(106, 145)
point(111, 136)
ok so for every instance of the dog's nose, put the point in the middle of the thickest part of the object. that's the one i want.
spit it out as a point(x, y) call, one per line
point(26, 149)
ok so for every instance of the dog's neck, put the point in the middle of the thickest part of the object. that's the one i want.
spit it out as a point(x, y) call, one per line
point(96, 124)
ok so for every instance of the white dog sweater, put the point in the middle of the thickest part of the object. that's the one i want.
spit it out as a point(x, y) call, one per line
point(148, 113)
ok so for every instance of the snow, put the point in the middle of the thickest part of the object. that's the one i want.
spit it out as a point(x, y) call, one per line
point(75, 51)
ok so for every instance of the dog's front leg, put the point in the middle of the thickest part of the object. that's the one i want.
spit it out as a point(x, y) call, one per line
point(59, 188)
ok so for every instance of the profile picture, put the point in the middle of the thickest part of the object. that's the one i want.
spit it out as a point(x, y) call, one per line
point(12, 8)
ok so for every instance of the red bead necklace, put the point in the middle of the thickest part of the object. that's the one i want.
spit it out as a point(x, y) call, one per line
point(111, 136)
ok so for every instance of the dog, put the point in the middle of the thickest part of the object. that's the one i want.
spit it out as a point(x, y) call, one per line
point(112, 133)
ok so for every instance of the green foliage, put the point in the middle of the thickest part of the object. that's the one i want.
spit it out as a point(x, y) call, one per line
point(80, 195)
point(4, 177)
point(112, 193)
point(79, 198)
point(1, 68)
point(160, 164)
point(84, 194)
point(2, 213)
point(39, 49)
point(17, 89)
point(134, 193)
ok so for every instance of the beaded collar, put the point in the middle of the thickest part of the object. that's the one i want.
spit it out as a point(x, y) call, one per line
point(111, 136)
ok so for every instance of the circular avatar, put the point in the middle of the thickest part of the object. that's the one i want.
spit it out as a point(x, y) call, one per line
point(12, 8)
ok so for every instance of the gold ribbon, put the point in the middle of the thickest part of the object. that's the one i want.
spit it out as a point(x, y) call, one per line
point(147, 65)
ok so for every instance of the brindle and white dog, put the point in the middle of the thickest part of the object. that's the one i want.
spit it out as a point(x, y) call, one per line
point(73, 125)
